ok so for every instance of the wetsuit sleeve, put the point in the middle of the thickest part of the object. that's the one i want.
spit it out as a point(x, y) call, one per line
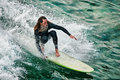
point(37, 39)
point(59, 28)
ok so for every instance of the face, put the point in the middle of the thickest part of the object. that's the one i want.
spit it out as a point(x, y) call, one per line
point(44, 23)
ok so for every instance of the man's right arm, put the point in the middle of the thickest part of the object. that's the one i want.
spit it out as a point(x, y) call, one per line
point(37, 39)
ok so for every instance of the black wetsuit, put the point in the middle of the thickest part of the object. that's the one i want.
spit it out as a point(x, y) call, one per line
point(44, 35)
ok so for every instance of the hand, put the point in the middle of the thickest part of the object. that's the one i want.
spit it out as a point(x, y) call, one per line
point(71, 36)
point(44, 57)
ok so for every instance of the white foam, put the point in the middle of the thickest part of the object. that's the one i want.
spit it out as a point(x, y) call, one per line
point(8, 56)
point(7, 76)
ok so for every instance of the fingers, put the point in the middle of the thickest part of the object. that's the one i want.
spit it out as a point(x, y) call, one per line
point(44, 56)
point(73, 37)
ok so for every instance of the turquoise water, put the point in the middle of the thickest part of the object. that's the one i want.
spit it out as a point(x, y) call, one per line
point(95, 23)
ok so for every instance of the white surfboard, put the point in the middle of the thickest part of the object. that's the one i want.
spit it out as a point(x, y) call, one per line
point(66, 61)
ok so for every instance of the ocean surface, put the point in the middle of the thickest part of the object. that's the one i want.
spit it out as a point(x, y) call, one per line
point(95, 23)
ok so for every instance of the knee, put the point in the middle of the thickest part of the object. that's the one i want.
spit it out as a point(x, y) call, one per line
point(53, 32)
point(44, 39)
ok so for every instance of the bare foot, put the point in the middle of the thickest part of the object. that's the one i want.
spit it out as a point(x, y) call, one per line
point(57, 53)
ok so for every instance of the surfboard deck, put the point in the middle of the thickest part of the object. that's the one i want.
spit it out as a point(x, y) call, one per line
point(69, 62)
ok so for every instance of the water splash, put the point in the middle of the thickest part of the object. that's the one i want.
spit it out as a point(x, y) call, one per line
point(9, 52)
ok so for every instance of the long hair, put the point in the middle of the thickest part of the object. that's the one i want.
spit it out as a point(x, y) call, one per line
point(38, 26)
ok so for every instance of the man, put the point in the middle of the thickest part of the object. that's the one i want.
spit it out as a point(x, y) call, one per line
point(42, 34)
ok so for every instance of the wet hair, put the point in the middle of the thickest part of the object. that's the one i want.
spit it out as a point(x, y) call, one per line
point(40, 20)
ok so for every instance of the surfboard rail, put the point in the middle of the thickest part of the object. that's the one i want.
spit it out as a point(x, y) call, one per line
point(71, 63)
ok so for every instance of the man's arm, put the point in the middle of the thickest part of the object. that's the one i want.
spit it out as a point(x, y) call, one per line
point(37, 39)
point(59, 28)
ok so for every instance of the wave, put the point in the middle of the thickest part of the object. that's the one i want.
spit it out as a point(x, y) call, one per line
point(17, 20)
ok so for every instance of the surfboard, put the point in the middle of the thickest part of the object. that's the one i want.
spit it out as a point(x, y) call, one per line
point(69, 62)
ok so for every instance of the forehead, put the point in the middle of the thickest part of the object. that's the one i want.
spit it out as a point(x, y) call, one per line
point(44, 20)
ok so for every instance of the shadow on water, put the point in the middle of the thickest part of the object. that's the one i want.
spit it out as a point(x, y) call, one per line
point(69, 73)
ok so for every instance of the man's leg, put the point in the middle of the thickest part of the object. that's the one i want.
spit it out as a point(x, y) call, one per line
point(55, 41)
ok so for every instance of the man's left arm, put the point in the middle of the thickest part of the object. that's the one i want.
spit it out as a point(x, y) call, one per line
point(61, 28)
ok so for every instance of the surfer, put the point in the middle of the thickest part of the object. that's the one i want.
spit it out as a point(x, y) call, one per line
point(42, 34)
